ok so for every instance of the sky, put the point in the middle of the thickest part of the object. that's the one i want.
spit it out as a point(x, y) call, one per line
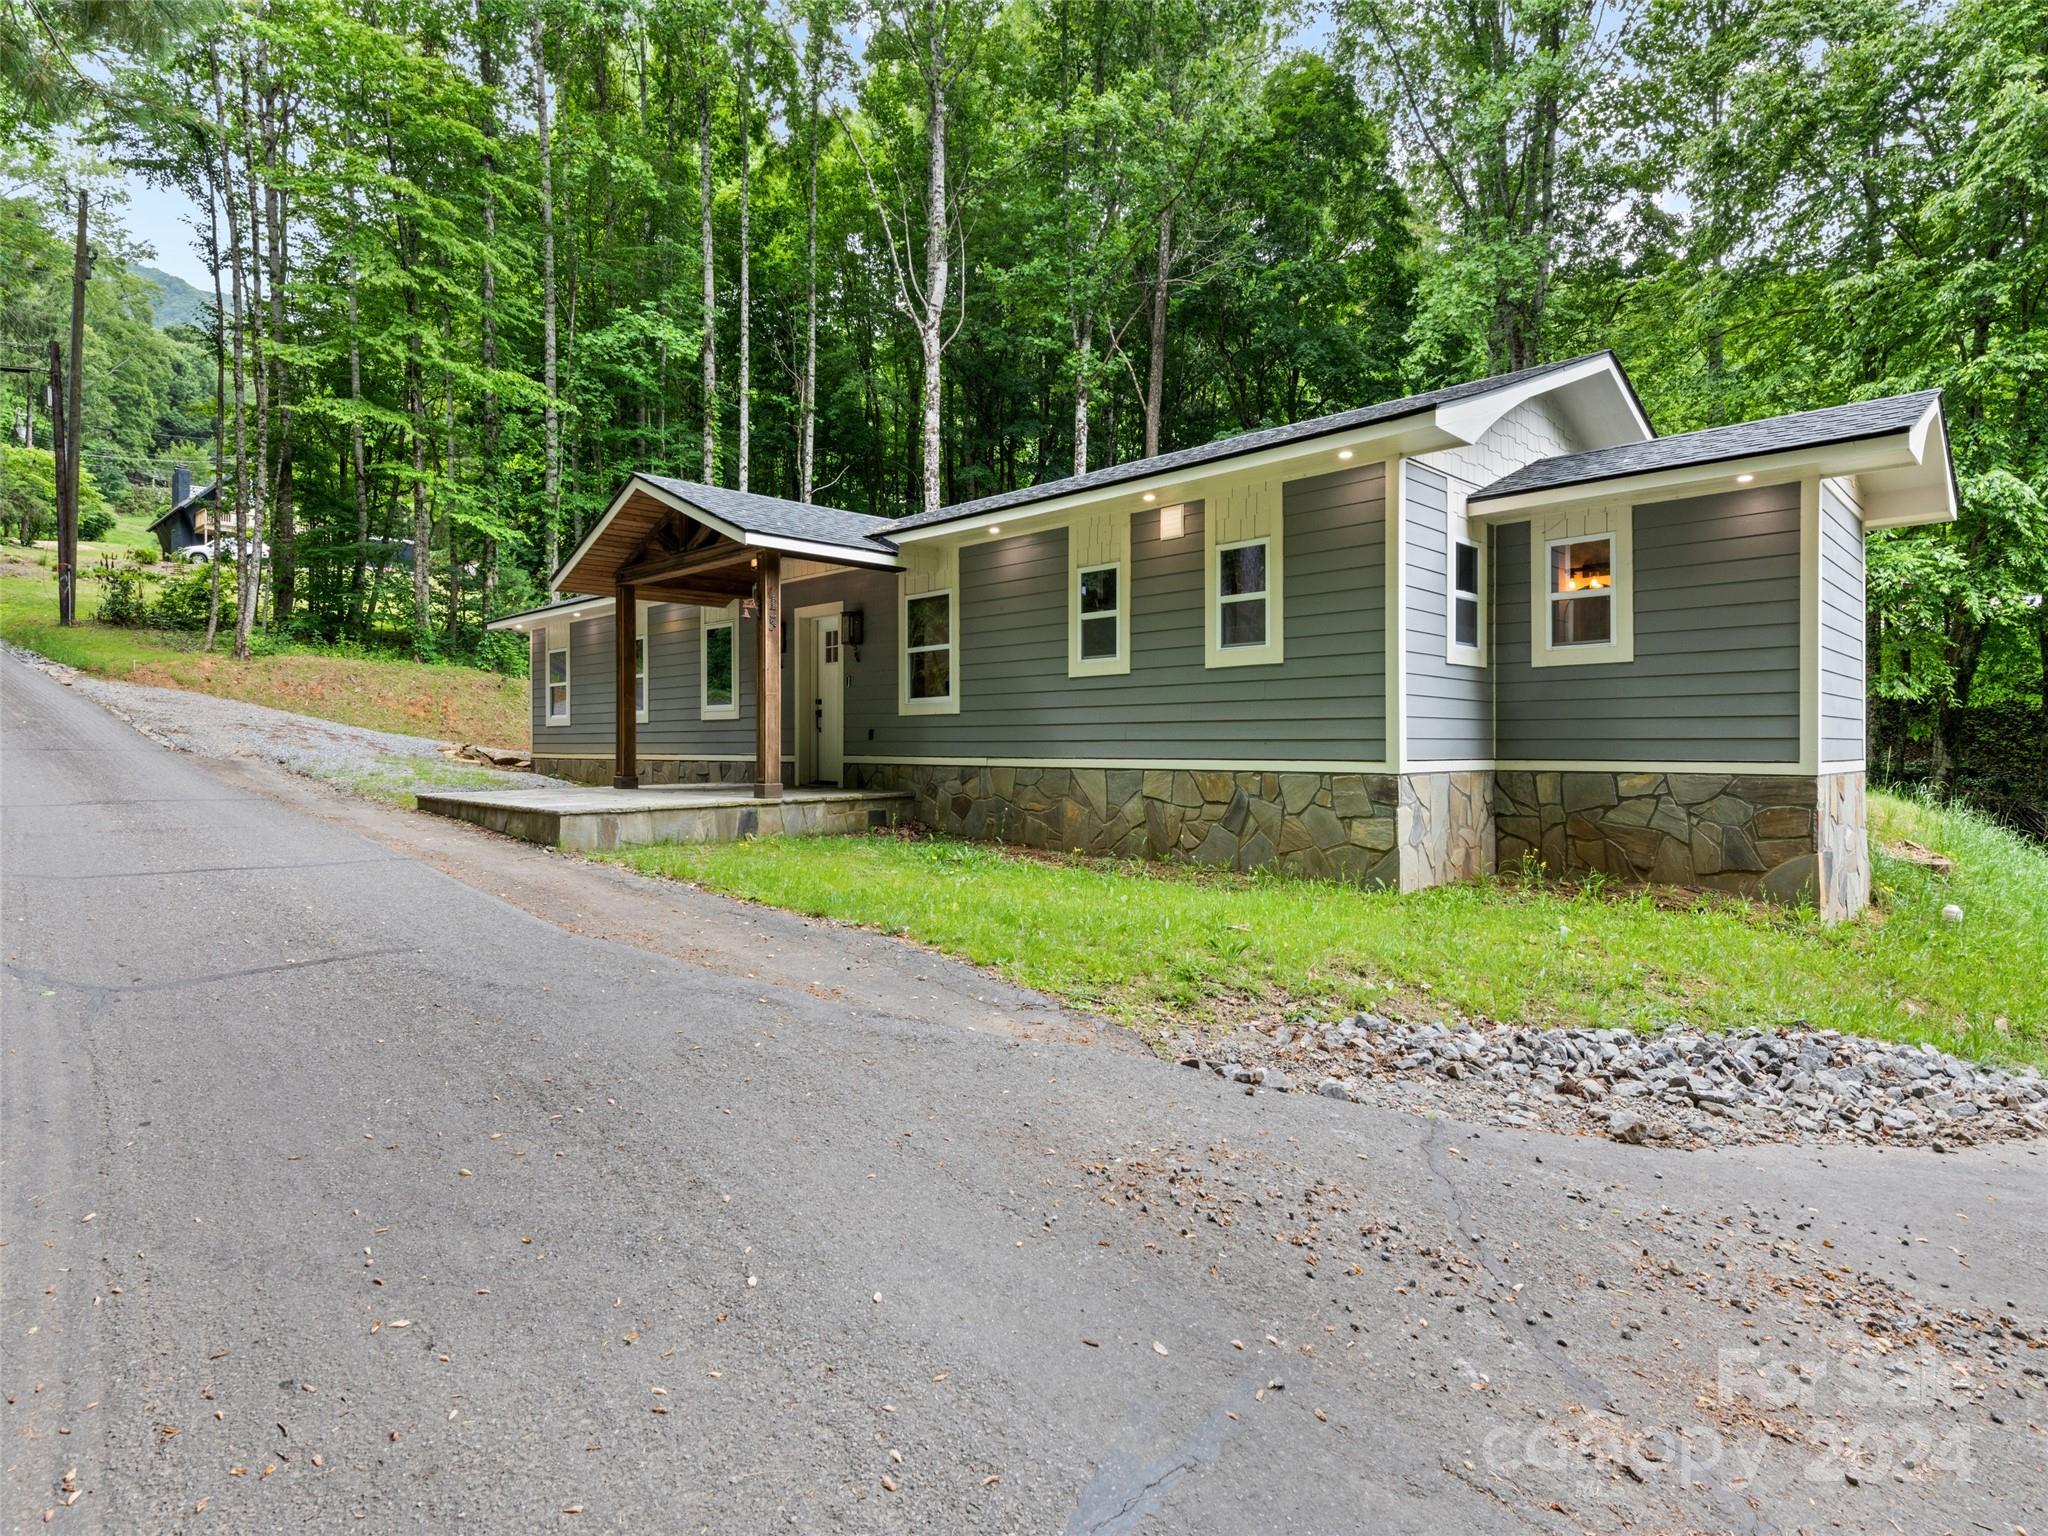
point(161, 217)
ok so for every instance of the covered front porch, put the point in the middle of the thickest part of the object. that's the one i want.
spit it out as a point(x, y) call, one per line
point(668, 541)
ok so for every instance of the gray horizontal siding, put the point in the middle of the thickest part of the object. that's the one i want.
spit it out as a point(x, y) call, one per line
point(672, 728)
point(1450, 708)
point(1324, 702)
point(1841, 629)
point(1716, 670)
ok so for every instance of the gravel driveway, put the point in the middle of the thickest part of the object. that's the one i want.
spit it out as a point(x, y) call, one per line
point(379, 763)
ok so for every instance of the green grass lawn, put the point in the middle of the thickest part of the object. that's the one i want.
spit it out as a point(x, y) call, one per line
point(1149, 942)
point(454, 703)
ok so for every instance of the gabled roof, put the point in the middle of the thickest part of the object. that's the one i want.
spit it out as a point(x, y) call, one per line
point(748, 520)
point(776, 518)
point(193, 497)
point(1247, 443)
point(1855, 422)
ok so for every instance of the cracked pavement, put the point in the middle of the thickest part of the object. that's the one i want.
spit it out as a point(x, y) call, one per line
point(363, 1172)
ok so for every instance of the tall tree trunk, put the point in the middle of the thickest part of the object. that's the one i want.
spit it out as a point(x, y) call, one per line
point(228, 202)
point(1155, 374)
point(938, 266)
point(357, 617)
point(276, 127)
point(552, 482)
point(1084, 348)
point(248, 553)
point(745, 382)
point(710, 345)
point(220, 387)
point(487, 72)
point(807, 387)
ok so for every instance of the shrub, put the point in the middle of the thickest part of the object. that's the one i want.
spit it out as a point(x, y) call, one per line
point(183, 601)
point(122, 602)
point(142, 554)
point(95, 523)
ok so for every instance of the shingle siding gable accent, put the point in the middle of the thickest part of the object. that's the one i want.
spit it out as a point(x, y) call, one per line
point(1532, 430)
point(1842, 633)
point(1716, 670)
point(1450, 708)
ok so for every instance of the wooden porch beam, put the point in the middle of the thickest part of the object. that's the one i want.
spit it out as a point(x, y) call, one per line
point(653, 566)
point(768, 681)
point(626, 726)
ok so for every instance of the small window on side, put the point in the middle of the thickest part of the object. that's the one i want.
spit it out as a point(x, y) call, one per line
point(1101, 602)
point(558, 684)
point(1465, 594)
point(1241, 585)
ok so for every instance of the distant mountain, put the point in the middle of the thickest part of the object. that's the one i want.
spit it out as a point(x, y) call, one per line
point(176, 301)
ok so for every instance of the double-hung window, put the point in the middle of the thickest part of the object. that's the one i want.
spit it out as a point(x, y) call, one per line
point(718, 663)
point(1581, 591)
point(1465, 601)
point(558, 677)
point(1583, 588)
point(640, 677)
point(928, 649)
point(1242, 578)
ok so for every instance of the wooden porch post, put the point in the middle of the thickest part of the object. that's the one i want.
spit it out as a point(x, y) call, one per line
point(768, 680)
point(626, 732)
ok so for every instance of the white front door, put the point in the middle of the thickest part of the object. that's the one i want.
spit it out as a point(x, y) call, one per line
point(828, 704)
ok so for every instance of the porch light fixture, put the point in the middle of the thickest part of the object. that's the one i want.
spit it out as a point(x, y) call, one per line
point(853, 628)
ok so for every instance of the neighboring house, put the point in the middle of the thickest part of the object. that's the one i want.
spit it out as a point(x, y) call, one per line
point(191, 515)
point(1406, 644)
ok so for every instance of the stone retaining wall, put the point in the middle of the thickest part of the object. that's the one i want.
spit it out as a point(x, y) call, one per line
point(1752, 834)
point(1343, 826)
point(652, 770)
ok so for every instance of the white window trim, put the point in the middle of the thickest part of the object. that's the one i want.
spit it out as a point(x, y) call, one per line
point(643, 663)
point(1237, 511)
point(709, 619)
point(950, 703)
point(1118, 663)
point(549, 648)
point(1219, 602)
point(1459, 530)
point(1545, 534)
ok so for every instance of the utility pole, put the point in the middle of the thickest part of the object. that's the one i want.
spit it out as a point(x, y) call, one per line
point(55, 400)
point(67, 499)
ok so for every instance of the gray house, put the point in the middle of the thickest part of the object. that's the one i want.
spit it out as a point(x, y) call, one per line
point(1406, 644)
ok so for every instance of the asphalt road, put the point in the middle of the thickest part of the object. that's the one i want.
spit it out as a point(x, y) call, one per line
point(342, 1194)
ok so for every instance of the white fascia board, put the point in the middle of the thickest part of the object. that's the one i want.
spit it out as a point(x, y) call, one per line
point(561, 613)
point(1470, 419)
point(1381, 440)
point(1889, 452)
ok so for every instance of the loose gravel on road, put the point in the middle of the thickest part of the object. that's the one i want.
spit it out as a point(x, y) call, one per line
point(1675, 1088)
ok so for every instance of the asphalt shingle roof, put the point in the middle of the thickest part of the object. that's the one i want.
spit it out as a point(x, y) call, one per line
point(1226, 448)
point(777, 518)
point(1713, 445)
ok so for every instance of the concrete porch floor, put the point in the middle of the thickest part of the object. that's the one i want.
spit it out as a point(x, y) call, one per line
point(589, 817)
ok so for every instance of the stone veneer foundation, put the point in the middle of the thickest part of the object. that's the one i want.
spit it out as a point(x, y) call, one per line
point(652, 770)
point(1410, 830)
point(1786, 837)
